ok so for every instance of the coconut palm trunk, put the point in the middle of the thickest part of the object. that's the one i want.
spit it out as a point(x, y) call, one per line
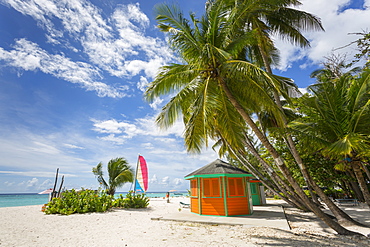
point(313, 207)
point(272, 185)
point(276, 180)
point(286, 189)
point(361, 181)
point(341, 216)
point(366, 171)
point(211, 51)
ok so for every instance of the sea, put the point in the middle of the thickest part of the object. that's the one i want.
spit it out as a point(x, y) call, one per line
point(28, 199)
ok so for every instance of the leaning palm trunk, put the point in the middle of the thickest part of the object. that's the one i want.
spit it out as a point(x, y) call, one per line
point(289, 139)
point(353, 185)
point(286, 189)
point(361, 181)
point(366, 171)
point(273, 187)
point(314, 208)
point(341, 216)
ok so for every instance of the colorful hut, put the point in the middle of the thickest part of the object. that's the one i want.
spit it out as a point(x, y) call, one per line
point(257, 192)
point(220, 189)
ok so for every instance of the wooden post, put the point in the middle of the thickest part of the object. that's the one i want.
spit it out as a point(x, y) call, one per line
point(55, 185)
point(60, 187)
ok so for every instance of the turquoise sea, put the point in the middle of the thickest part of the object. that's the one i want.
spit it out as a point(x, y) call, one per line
point(27, 199)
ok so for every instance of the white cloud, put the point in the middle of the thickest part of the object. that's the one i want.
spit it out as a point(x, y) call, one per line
point(36, 173)
point(141, 85)
point(32, 183)
point(147, 146)
point(165, 180)
point(156, 103)
point(178, 181)
point(154, 179)
point(9, 184)
point(73, 146)
point(113, 126)
point(338, 24)
point(44, 148)
point(303, 90)
point(27, 55)
point(117, 44)
point(120, 131)
point(46, 184)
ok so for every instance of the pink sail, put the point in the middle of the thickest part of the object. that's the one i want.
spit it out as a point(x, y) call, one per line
point(141, 184)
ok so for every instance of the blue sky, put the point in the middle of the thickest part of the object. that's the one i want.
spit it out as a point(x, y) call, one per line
point(72, 76)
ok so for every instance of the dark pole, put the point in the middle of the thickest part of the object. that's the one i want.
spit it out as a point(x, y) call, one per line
point(60, 187)
point(55, 185)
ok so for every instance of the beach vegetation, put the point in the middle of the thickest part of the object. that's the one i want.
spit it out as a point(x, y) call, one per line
point(83, 201)
point(87, 201)
point(223, 87)
point(131, 201)
point(119, 173)
point(335, 119)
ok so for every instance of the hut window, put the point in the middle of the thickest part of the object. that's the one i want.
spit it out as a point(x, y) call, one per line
point(211, 187)
point(236, 187)
point(194, 187)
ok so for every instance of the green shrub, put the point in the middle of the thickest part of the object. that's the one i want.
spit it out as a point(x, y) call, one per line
point(132, 201)
point(86, 201)
point(276, 197)
point(83, 201)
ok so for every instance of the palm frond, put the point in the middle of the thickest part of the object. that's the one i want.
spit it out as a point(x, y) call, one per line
point(98, 172)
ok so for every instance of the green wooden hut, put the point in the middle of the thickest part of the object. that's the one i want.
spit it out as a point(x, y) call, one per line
point(220, 189)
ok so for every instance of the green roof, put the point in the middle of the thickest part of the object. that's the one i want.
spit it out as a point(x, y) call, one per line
point(218, 167)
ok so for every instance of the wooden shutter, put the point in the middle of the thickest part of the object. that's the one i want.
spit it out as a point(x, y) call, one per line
point(194, 187)
point(211, 187)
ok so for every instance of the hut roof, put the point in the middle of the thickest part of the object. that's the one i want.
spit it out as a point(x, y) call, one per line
point(218, 167)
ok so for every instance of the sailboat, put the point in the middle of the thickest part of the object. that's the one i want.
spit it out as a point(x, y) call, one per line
point(141, 177)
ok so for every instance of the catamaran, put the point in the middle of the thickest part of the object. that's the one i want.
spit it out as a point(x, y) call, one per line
point(141, 176)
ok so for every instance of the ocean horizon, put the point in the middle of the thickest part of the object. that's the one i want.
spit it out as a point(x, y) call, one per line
point(28, 199)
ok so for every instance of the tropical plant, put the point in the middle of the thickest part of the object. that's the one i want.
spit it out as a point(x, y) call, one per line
point(119, 173)
point(335, 121)
point(132, 201)
point(83, 201)
point(264, 18)
point(217, 88)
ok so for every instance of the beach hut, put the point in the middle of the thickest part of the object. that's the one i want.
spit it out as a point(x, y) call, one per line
point(257, 192)
point(220, 189)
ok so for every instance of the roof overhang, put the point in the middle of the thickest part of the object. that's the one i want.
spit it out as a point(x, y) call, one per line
point(219, 175)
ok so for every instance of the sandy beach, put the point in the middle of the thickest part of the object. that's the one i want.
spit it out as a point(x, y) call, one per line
point(28, 226)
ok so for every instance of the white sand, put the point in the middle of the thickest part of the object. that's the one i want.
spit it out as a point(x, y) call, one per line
point(28, 226)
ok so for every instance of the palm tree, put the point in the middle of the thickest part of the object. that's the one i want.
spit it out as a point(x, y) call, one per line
point(119, 173)
point(216, 83)
point(264, 18)
point(336, 121)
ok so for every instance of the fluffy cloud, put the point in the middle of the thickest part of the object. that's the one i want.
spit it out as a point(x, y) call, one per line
point(73, 146)
point(27, 55)
point(338, 21)
point(165, 180)
point(120, 131)
point(153, 180)
point(32, 183)
point(8, 184)
point(117, 45)
point(178, 181)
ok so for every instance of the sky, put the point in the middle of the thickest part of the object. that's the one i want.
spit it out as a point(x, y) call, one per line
point(72, 77)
